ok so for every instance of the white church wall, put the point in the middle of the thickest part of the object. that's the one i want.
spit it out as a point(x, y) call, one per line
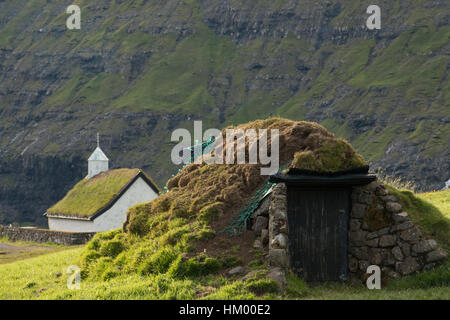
point(113, 218)
point(70, 225)
point(139, 192)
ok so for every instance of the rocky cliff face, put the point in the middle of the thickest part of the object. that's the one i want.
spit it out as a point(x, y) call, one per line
point(29, 183)
point(139, 69)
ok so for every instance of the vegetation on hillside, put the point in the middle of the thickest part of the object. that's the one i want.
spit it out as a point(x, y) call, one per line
point(377, 89)
point(439, 199)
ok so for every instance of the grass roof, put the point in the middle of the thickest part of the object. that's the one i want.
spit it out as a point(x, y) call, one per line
point(330, 154)
point(91, 195)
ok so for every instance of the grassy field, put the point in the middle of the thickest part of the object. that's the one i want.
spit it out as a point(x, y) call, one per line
point(45, 277)
point(440, 199)
point(20, 250)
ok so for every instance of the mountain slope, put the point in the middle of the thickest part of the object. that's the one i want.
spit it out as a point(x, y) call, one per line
point(139, 69)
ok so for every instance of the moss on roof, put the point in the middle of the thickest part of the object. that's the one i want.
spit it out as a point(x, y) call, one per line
point(90, 195)
point(330, 154)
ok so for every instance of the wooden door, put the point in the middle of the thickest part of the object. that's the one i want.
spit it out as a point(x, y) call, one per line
point(318, 225)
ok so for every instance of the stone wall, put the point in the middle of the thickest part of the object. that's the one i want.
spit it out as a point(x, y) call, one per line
point(380, 233)
point(269, 222)
point(44, 235)
point(278, 228)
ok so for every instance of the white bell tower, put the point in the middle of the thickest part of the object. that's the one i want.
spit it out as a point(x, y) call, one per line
point(98, 161)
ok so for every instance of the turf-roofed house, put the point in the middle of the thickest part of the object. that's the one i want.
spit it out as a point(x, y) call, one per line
point(100, 201)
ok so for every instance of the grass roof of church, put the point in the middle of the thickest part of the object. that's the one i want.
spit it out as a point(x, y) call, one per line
point(89, 196)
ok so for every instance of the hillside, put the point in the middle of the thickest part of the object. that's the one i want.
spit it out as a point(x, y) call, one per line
point(139, 69)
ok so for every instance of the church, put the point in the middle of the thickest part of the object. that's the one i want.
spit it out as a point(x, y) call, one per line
point(101, 200)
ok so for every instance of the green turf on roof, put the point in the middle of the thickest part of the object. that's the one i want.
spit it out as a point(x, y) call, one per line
point(329, 155)
point(90, 195)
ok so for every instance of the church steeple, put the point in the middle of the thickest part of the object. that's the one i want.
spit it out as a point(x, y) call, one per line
point(98, 162)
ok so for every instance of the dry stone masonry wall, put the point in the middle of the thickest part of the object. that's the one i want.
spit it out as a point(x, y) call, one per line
point(269, 222)
point(44, 235)
point(278, 228)
point(271, 229)
point(380, 233)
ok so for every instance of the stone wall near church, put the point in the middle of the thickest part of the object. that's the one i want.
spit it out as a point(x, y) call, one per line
point(44, 235)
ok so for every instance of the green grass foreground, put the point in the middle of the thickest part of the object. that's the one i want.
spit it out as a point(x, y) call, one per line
point(45, 277)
